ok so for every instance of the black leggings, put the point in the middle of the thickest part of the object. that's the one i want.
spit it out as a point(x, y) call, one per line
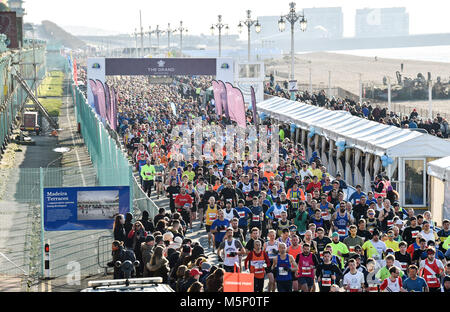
point(147, 186)
point(259, 284)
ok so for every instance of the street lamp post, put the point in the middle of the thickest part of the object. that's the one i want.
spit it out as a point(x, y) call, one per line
point(181, 29)
point(135, 37)
point(292, 17)
point(219, 26)
point(142, 34)
point(158, 32)
point(149, 33)
point(169, 31)
point(249, 22)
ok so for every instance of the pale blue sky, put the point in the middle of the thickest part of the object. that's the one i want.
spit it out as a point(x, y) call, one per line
point(425, 16)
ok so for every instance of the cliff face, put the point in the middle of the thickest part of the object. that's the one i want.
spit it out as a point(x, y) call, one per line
point(52, 32)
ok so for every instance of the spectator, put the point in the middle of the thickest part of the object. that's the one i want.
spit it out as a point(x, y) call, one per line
point(158, 266)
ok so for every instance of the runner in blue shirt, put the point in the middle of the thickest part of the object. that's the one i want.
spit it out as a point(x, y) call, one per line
point(219, 228)
point(414, 283)
point(274, 212)
point(356, 196)
point(244, 214)
point(257, 215)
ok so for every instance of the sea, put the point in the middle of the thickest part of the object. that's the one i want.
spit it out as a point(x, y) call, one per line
point(429, 53)
point(426, 53)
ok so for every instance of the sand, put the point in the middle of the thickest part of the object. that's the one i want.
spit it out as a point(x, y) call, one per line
point(345, 70)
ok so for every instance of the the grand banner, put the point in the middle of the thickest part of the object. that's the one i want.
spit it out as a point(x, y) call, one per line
point(162, 66)
point(98, 68)
point(84, 208)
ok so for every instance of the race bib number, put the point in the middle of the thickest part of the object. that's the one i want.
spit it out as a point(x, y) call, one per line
point(174, 195)
point(390, 223)
point(241, 214)
point(257, 264)
point(351, 249)
point(326, 281)
point(294, 200)
point(212, 216)
point(324, 213)
point(431, 279)
point(341, 232)
point(373, 288)
point(255, 218)
point(404, 265)
point(414, 234)
point(306, 270)
point(277, 216)
point(282, 271)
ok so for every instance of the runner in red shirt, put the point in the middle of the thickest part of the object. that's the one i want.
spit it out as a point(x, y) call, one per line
point(183, 204)
point(314, 185)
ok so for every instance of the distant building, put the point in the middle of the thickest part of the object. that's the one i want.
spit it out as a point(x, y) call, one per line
point(17, 6)
point(382, 22)
point(322, 23)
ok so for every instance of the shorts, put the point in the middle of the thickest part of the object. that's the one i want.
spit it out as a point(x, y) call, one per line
point(208, 228)
point(284, 286)
point(158, 179)
point(306, 280)
point(229, 269)
point(258, 284)
point(217, 244)
point(255, 224)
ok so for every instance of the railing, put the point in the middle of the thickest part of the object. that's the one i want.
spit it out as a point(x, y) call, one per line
point(104, 248)
point(12, 97)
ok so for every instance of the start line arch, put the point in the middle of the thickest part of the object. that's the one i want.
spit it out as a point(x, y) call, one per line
point(98, 68)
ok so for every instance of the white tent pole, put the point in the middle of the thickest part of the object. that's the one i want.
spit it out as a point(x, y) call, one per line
point(430, 99)
point(329, 83)
point(360, 88)
point(389, 94)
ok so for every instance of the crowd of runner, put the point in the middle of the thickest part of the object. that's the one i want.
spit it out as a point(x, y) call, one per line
point(438, 126)
point(294, 228)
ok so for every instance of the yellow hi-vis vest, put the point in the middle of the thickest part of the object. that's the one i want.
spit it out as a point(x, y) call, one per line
point(148, 172)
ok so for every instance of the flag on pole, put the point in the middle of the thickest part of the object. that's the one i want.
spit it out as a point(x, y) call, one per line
point(255, 114)
point(75, 72)
point(217, 97)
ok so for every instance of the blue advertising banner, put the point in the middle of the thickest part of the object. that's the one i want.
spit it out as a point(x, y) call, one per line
point(84, 208)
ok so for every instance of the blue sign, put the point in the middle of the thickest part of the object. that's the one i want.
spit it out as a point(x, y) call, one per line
point(84, 208)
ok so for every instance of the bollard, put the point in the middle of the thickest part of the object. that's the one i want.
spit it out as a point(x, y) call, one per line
point(47, 261)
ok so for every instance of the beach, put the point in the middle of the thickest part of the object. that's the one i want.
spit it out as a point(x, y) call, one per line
point(346, 69)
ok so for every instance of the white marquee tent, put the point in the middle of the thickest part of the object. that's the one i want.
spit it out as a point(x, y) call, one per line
point(439, 170)
point(367, 143)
